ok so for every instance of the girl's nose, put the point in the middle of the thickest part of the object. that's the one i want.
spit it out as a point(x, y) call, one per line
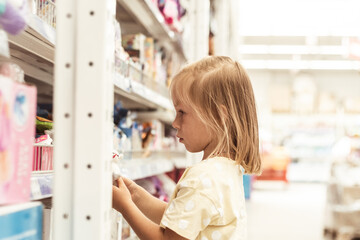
point(175, 124)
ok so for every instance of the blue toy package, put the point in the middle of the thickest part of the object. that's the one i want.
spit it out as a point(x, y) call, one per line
point(21, 221)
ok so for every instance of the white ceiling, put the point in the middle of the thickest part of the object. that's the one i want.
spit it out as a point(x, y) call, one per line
point(295, 34)
point(300, 17)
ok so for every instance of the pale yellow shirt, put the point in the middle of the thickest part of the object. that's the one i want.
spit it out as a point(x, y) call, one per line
point(208, 202)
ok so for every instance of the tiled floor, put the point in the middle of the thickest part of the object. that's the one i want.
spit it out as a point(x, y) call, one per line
point(295, 212)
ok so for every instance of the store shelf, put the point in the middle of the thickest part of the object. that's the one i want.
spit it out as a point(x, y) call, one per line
point(42, 181)
point(145, 13)
point(33, 50)
point(41, 184)
point(150, 95)
point(142, 168)
point(38, 39)
point(166, 116)
point(137, 96)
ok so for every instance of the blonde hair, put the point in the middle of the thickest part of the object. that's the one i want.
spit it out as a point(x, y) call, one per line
point(220, 92)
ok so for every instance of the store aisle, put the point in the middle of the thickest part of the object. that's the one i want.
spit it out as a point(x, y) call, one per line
point(278, 213)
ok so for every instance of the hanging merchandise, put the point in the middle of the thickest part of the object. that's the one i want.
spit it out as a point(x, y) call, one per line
point(14, 15)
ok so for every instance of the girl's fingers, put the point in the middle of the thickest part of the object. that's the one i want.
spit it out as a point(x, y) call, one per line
point(115, 189)
point(127, 181)
point(120, 182)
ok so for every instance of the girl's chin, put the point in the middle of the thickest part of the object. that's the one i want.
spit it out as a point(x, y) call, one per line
point(192, 150)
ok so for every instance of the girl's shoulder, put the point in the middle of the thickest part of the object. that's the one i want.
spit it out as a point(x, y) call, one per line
point(215, 169)
point(217, 164)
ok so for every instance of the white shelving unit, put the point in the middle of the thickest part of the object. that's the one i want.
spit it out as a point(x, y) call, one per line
point(83, 129)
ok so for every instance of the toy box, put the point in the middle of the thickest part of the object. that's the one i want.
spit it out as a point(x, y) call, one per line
point(17, 129)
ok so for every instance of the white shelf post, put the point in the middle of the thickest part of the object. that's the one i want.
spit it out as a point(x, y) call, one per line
point(199, 14)
point(83, 104)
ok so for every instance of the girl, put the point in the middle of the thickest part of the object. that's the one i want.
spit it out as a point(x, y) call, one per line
point(216, 114)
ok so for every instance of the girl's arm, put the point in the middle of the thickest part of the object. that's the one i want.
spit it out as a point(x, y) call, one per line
point(144, 228)
point(152, 207)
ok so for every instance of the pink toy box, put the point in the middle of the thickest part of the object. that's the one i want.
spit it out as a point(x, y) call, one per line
point(17, 129)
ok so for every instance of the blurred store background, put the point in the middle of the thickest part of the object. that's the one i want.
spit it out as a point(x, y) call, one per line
point(304, 59)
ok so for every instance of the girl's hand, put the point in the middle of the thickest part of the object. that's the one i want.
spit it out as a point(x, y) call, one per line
point(121, 196)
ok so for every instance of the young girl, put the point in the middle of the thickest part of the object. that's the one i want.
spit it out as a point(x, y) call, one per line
point(216, 114)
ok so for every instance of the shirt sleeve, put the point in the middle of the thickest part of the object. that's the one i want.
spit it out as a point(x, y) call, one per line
point(189, 212)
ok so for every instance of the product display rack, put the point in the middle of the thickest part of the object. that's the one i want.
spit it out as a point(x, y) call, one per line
point(25, 51)
point(37, 45)
point(149, 18)
point(81, 211)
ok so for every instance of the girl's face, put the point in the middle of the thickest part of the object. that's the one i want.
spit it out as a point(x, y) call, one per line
point(191, 131)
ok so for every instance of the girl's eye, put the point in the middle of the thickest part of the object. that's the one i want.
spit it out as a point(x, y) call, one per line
point(181, 112)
